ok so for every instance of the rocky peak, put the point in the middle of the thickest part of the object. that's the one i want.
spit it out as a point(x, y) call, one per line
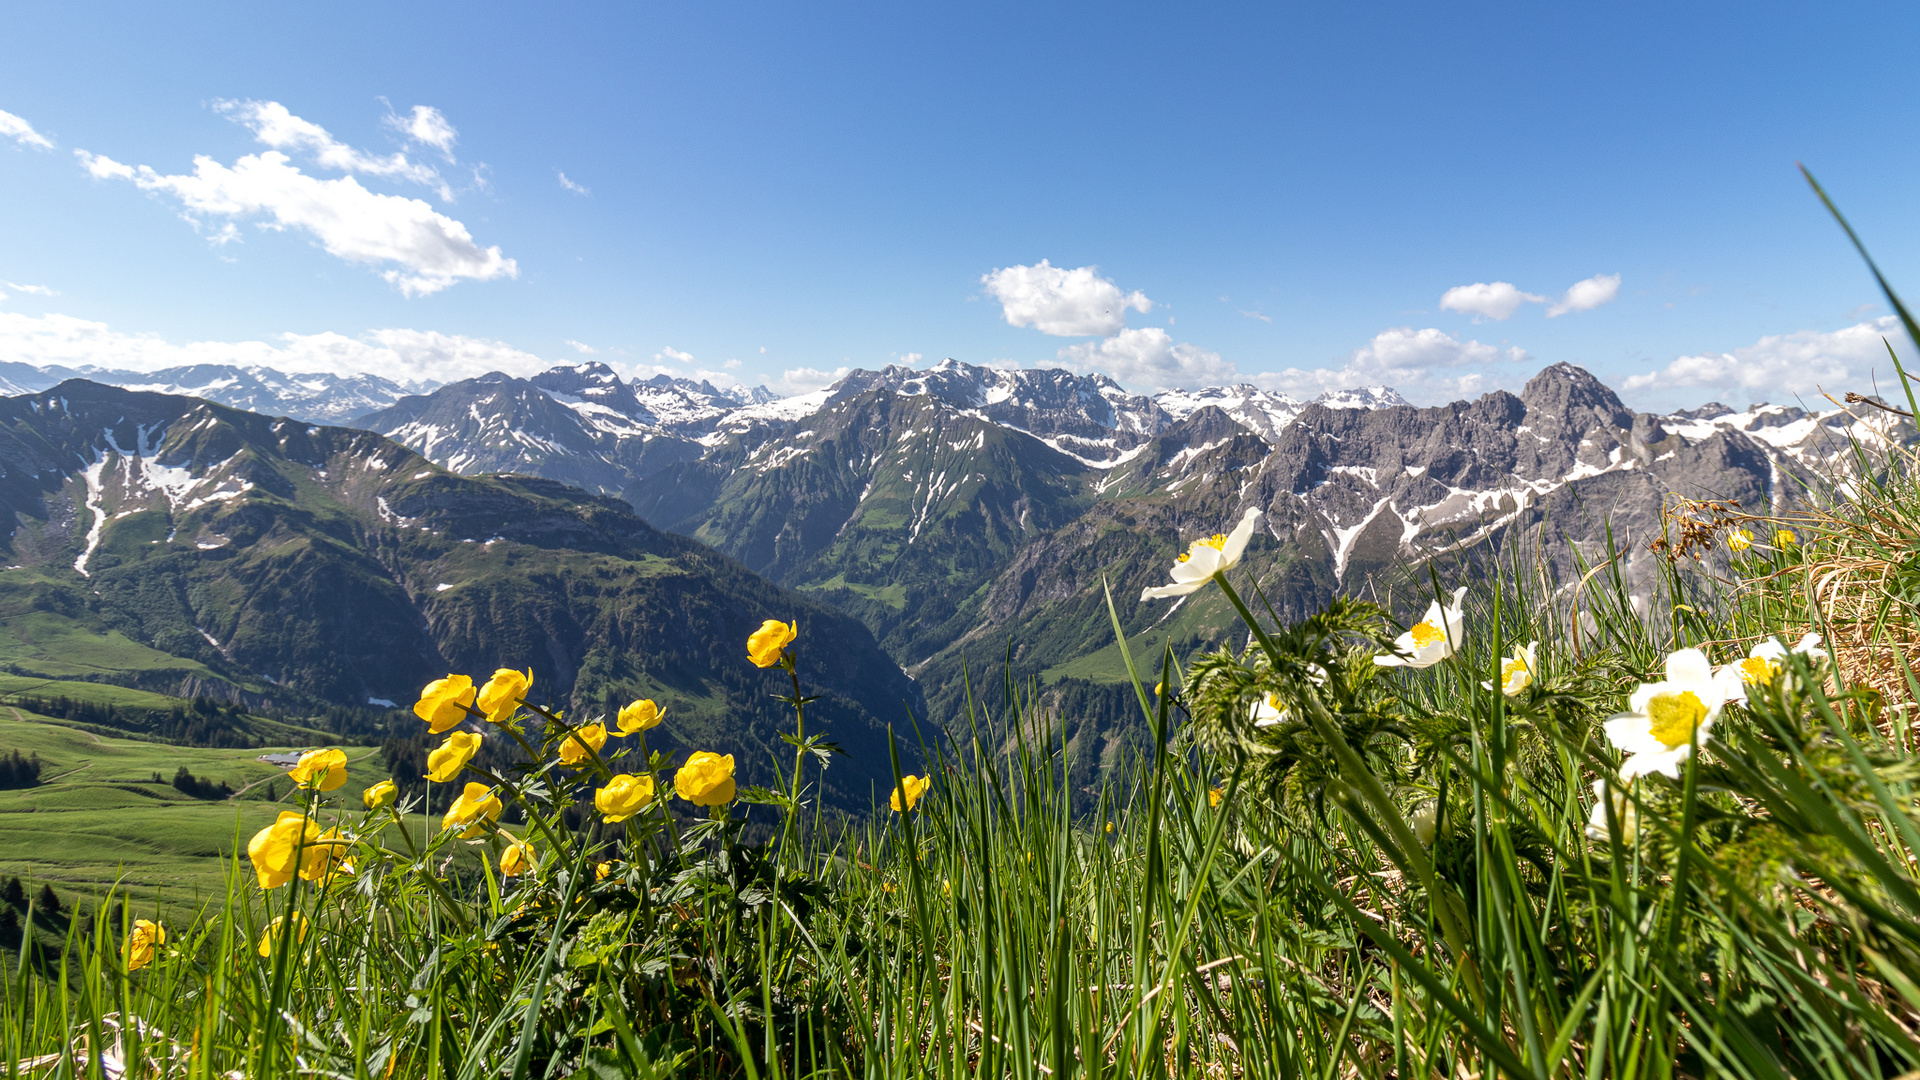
point(1572, 396)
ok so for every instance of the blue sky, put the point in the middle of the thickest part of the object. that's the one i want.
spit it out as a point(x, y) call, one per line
point(1282, 194)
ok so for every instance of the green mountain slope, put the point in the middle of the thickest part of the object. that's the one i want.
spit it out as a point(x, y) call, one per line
point(330, 564)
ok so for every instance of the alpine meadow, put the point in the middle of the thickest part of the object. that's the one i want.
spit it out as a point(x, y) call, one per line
point(859, 542)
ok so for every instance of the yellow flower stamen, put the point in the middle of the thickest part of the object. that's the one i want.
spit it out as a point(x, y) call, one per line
point(1512, 670)
point(1425, 634)
point(1758, 670)
point(1675, 716)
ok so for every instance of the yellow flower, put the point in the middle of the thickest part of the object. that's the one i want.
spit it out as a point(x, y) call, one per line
point(601, 870)
point(706, 779)
point(476, 806)
point(1214, 795)
point(573, 749)
point(277, 850)
point(517, 859)
point(442, 702)
point(445, 761)
point(639, 716)
point(271, 939)
point(1784, 538)
point(623, 797)
point(321, 770)
point(911, 788)
point(767, 645)
point(1739, 540)
point(142, 941)
point(322, 854)
point(1206, 557)
point(381, 794)
point(503, 692)
point(1109, 827)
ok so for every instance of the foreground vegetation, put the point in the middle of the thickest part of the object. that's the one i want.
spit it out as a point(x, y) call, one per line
point(1609, 827)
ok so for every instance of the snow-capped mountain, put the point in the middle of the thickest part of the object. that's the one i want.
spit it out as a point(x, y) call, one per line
point(1260, 411)
point(315, 397)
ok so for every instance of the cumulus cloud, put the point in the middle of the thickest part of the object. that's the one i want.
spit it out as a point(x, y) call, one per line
point(805, 380)
point(431, 250)
point(401, 354)
point(427, 126)
point(21, 132)
point(577, 189)
point(1062, 302)
point(1798, 363)
point(1424, 364)
point(276, 127)
point(582, 347)
point(1148, 359)
point(668, 352)
point(1587, 295)
point(1497, 300)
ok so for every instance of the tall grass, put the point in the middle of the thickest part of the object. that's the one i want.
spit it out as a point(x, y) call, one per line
point(1403, 873)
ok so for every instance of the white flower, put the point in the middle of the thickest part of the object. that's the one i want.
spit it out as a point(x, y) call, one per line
point(1268, 711)
point(1623, 812)
point(1764, 662)
point(1666, 719)
point(1425, 821)
point(1432, 639)
point(1208, 556)
point(1516, 671)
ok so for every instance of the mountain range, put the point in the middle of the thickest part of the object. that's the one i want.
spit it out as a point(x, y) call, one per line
point(271, 558)
point(970, 515)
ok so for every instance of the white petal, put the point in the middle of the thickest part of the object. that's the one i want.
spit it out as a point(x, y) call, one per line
point(1390, 660)
point(1808, 643)
point(1632, 733)
point(1769, 650)
point(1178, 588)
point(1637, 701)
point(1237, 539)
point(1665, 762)
point(1689, 666)
point(1199, 566)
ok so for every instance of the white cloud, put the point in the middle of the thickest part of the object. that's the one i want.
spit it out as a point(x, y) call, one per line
point(427, 126)
point(274, 126)
point(668, 352)
point(350, 222)
point(399, 354)
point(577, 189)
point(1587, 295)
point(1497, 301)
point(1248, 314)
point(1061, 302)
point(1803, 362)
point(37, 290)
point(805, 380)
point(17, 129)
point(1148, 359)
point(583, 347)
point(911, 359)
point(1425, 364)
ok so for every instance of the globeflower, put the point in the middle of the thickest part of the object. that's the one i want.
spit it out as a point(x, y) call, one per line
point(573, 749)
point(1739, 540)
point(271, 939)
point(278, 850)
point(503, 693)
point(624, 796)
point(909, 792)
point(320, 770)
point(639, 716)
point(517, 859)
point(142, 942)
point(1763, 663)
point(322, 856)
point(445, 761)
point(706, 779)
point(443, 702)
point(1665, 719)
point(767, 646)
point(1623, 812)
point(1784, 538)
point(476, 806)
point(381, 794)
point(1206, 557)
point(1516, 671)
point(1432, 639)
